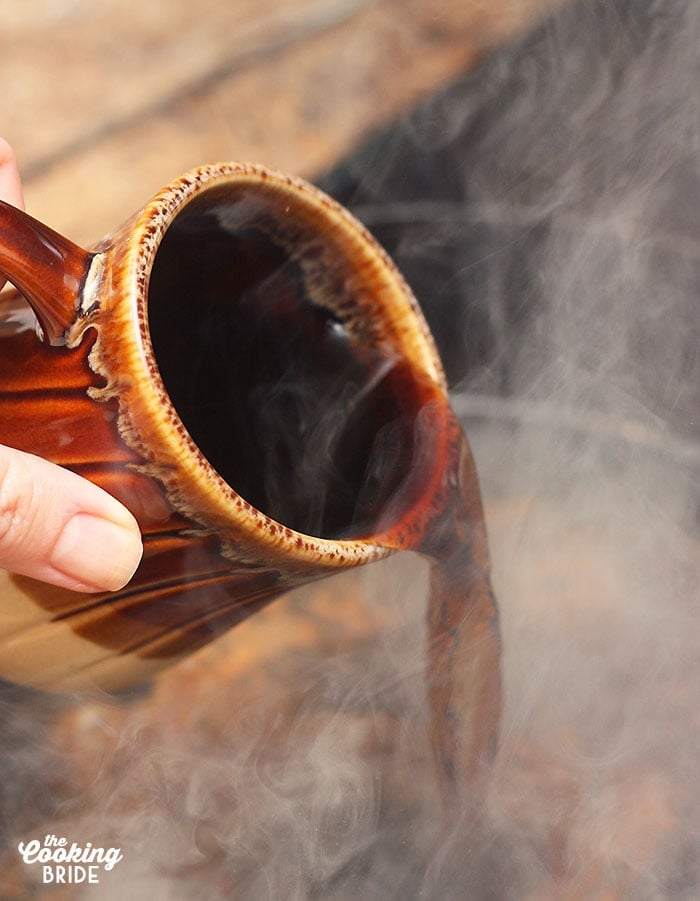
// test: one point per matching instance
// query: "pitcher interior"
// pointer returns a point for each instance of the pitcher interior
(276, 367)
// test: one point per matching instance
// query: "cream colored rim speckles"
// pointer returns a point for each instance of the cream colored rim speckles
(148, 420)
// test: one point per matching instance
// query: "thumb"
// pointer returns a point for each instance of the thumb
(60, 528)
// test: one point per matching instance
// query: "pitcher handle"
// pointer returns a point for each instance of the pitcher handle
(48, 269)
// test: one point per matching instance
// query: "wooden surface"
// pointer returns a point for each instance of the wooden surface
(107, 101)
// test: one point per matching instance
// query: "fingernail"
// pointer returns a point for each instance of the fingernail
(97, 552)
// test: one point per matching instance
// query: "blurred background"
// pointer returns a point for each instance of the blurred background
(533, 168)
(107, 101)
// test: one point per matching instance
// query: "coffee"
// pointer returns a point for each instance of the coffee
(327, 432)
(308, 422)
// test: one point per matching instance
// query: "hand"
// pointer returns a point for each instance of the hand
(54, 525)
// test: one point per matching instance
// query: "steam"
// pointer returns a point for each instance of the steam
(557, 253)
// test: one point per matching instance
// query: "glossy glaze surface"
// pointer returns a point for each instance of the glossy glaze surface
(44, 265)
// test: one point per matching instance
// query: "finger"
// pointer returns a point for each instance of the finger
(62, 529)
(10, 183)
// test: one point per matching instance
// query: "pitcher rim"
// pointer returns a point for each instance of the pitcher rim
(207, 497)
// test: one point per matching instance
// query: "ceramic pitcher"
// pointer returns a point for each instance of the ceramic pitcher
(245, 369)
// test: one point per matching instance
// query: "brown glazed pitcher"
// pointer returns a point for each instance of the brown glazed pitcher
(244, 368)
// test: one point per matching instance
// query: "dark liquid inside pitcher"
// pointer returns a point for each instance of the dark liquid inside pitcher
(307, 422)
